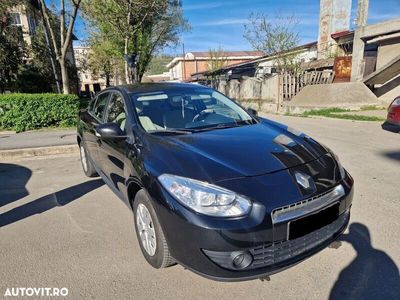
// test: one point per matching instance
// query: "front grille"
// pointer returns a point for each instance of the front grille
(307, 206)
(278, 252)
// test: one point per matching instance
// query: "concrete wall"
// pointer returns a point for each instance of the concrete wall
(176, 72)
(349, 95)
(250, 88)
(270, 89)
(387, 51)
(221, 87)
(233, 89)
(390, 90)
(363, 33)
(260, 94)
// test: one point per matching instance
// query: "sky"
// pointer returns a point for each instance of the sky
(217, 23)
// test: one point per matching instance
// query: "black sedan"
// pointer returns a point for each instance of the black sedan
(212, 186)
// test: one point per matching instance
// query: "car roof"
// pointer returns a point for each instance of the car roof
(160, 86)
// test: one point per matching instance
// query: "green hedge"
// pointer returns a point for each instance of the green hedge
(22, 112)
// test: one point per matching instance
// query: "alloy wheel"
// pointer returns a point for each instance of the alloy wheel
(145, 225)
(84, 159)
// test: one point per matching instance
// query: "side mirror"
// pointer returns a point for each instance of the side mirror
(252, 111)
(110, 131)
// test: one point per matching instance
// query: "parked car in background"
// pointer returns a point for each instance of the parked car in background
(392, 122)
(214, 187)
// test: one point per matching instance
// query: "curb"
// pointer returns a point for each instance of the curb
(40, 151)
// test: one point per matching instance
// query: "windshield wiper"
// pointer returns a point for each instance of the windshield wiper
(217, 126)
(171, 131)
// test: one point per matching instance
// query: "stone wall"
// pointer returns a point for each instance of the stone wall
(249, 88)
(260, 94)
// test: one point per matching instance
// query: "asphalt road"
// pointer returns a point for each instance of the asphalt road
(60, 229)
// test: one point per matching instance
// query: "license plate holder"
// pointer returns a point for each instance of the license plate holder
(310, 223)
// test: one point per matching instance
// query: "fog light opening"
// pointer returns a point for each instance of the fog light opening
(241, 260)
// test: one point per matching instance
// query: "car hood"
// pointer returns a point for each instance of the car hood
(222, 154)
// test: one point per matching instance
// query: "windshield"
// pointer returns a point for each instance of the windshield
(188, 110)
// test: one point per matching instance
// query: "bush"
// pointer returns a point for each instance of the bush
(22, 112)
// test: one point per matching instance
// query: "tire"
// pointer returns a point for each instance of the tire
(86, 162)
(156, 252)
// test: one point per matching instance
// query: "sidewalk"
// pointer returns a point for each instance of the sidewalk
(37, 143)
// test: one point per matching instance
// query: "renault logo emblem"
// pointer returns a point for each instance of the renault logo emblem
(304, 180)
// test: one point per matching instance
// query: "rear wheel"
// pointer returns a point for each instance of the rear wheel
(149, 233)
(86, 162)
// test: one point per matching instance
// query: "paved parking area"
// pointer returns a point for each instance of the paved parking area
(60, 229)
(37, 138)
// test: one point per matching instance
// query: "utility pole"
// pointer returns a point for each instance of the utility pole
(51, 53)
(358, 63)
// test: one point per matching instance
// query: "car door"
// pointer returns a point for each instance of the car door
(93, 119)
(113, 152)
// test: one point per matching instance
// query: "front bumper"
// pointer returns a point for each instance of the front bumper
(202, 243)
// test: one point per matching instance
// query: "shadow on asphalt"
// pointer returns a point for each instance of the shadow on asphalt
(371, 275)
(13, 180)
(45, 203)
(395, 155)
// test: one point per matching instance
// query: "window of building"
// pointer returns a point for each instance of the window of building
(32, 24)
(15, 19)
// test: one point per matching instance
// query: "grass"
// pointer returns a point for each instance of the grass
(336, 113)
(324, 112)
(372, 107)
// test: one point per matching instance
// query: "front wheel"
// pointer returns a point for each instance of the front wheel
(149, 233)
(86, 162)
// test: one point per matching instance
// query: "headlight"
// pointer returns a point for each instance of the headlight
(205, 198)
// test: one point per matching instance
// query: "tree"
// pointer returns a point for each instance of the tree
(158, 64)
(277, 36)
(12, 46)
(140, 27)
(61, 45)
(103, 60)
(217, 60)
(37, 74)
